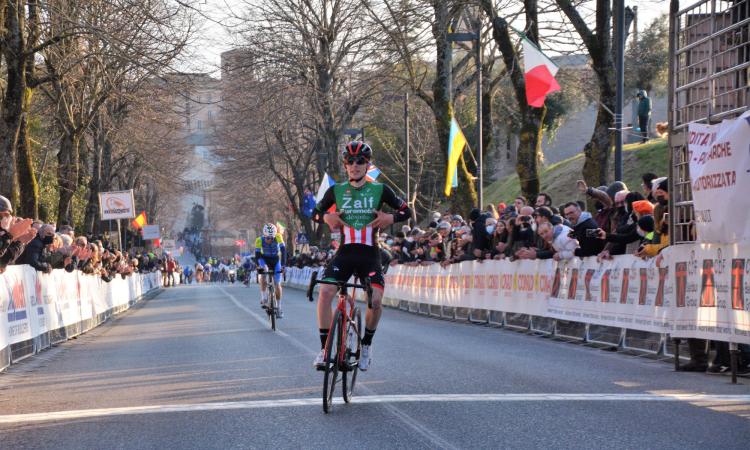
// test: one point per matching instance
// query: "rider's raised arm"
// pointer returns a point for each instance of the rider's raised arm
(401, 210)
(328, 200)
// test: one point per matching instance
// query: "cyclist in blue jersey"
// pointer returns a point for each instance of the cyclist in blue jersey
(270, 254)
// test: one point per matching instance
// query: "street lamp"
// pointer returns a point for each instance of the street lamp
(405, 98)
(354, 132)
(475, 38)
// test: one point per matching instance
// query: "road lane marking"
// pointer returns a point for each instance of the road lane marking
(12, 419)
(256, 316)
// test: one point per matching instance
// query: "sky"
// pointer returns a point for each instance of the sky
(213, 39)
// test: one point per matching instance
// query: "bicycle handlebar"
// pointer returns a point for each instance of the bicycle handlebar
(365, 286)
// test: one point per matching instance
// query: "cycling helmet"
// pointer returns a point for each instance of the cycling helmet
(269, 230)
(357, 148)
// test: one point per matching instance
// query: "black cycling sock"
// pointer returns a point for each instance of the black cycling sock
(367, 339)
(323, 337)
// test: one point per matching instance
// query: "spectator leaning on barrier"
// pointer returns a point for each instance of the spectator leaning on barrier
(523, 237)
(558, 237)
(479, 236)
(499, 242)
(585, 230)
(661, 219)
(15, 233)
(35, 254)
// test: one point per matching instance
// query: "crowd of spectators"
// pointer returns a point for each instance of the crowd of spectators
(44, 247)
(622, 222)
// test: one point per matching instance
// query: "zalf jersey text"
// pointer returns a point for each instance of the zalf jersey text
(358, 206)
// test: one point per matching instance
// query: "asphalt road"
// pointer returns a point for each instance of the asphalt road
(198, 367)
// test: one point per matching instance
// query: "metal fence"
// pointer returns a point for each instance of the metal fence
(709, 73)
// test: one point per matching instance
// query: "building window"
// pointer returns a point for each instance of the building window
(199, 124)
(210, 115)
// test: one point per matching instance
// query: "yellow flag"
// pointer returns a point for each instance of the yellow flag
(456, 144)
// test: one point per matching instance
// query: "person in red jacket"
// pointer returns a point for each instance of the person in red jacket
(171, 267)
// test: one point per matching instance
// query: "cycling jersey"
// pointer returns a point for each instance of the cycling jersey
(358, 206)
(273, 249)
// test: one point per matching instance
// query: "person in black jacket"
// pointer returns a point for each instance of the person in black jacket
(585, 230)
(33, 254)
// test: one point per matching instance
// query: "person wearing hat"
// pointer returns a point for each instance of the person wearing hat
(644, 113)
(15, 233)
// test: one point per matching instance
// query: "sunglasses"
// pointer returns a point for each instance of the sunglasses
(355, 160)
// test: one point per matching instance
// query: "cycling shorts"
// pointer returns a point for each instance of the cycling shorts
(264, 262)
(356, 259)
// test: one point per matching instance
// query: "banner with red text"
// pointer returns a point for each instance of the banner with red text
(720, 176)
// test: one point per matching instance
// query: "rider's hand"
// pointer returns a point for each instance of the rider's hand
(582, 187)
(333, 220)
(382, 220)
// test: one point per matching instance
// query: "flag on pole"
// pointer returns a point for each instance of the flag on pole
(456, 144)
(324, 185)
(139, 221)
(539, 74)
(280, 227)
(372, 173)
(327, 183)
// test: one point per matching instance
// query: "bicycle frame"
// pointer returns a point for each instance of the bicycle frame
(345, 305)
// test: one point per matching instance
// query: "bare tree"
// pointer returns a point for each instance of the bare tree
(325, 46)
(124, 43)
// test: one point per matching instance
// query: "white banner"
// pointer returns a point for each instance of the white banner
(33, 303)
(720, 174)
(699, 291)
(151, 232)
(117, 205)
(16, 320)
(711, 291)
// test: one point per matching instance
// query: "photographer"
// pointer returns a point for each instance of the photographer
(585, 230)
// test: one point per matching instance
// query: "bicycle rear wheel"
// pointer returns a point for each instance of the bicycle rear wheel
(352, 355)
(331, 363)
(271, 308)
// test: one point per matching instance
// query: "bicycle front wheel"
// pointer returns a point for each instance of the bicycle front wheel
(353, 345)
(271, 309)
(333, 344)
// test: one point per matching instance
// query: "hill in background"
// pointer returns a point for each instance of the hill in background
(559, 179)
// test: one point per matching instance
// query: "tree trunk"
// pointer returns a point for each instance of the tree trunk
(597, 151)
(67, 177)
(465, 196)
(91, 222)
(29, 188)
(12, 105)
(529, 150)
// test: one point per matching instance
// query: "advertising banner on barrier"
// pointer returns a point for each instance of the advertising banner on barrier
(711, 285)
(67, 297)
(16, 319)
(38, 310)
(625, 292)
(720, 173)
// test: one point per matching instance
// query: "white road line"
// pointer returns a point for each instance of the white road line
(256, 316)
(11, 419)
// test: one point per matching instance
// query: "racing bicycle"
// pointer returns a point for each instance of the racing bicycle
(272, 307)
(344, 343)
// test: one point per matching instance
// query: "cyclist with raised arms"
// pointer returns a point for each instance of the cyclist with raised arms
(359, 218)
(270, 254)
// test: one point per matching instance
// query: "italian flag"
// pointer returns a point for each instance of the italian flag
(539, 74)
